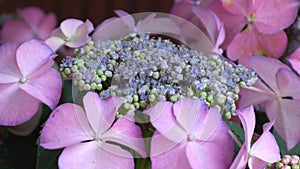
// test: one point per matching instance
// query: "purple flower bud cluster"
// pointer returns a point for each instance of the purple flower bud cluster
(146, 70)
(286, 162)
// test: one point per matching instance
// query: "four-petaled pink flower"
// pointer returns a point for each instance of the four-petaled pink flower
(73, 33)
(33, 24)
(258, 26)
(122, 26)
(189, 135)
(264, 150)
(90, 137)
(26, 79)
(279, 92)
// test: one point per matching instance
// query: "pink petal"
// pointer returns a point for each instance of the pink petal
(240, 161)
(259, 65)
(126, 133)
(79, 38)
(294, 60)
(247, 117)
(160, 144)
(162, 118)
(39, 82)
(29, 126)
(90, 155)
(55, 42)
(16, 106)
(187, 111)
(126, 18)
(274, 16)
(31, 55)
(205, 155)
(257, 44)
(238, 7)
(257, 94)
(145, 21)
(254, 163)
(101, 112)
(210, 121)
(159, 25)
(9, 72)
(233, 23)
(172, 159)
(208, 22)
(288, 83)
(111, 29)
(89, 25)
(16, 31)
(8, 64)
(287, 116)
(69, 26)
(67, 125)
(266, 147)
(221, 137)
(47, 26)
(6, 78)
(33, 16)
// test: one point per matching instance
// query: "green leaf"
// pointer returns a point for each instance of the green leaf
(282, 146)
(47, 159)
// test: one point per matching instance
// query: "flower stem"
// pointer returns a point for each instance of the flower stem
(235, 139)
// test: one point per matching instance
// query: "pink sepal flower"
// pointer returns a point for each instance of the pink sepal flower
(189, 131)
(254, 22)
(87, 136)
(72, 33)
(26, 79)
(33, 24)
(264, 150)
(270, 45)
(279, 92)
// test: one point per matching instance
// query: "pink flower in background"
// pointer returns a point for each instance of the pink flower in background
(198, 13)
(264, 150)
(119, 27)
(257, 22)
(33, 24)
(73, 33)
(279, 92)
(251, 42)
(88, 136)
(189, 135)
(294, 60)
(26, 79)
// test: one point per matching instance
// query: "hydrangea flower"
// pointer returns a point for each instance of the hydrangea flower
(279, 91)
(294, 60)
(189, 135)
(125, 24)
(198, 13)
(26, 79)
(264, 150)
(260, 24)
(33, 24)
(89, 137)
(72, 33)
